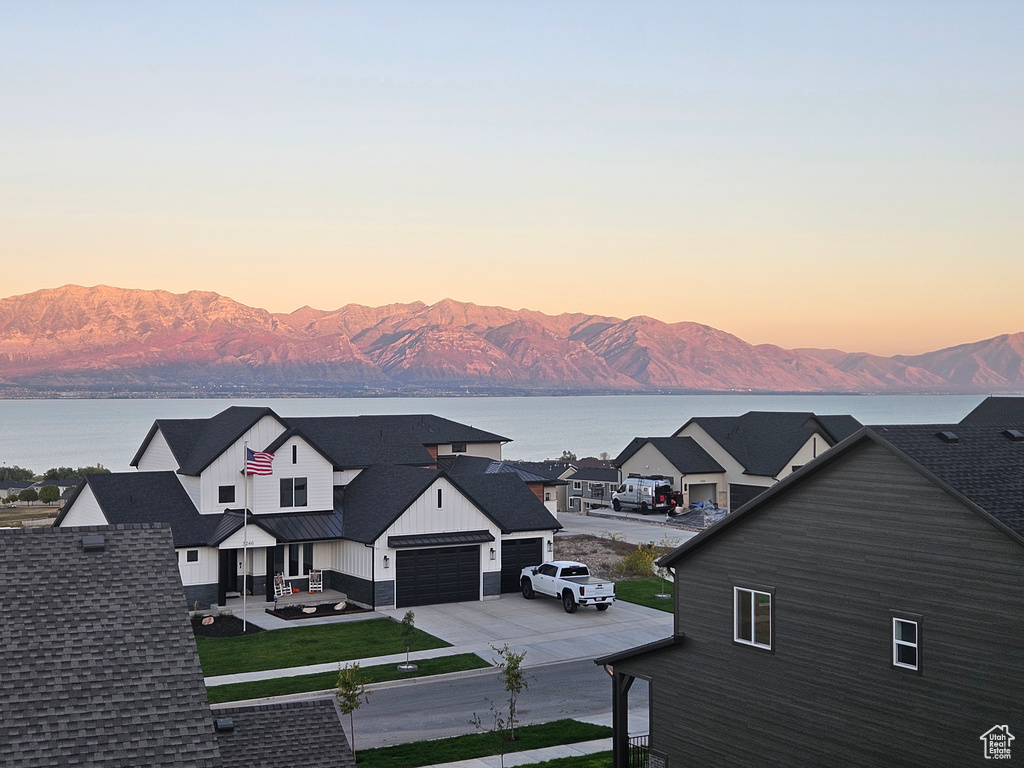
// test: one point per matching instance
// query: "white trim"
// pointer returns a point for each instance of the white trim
(896, 643)
(753, 617)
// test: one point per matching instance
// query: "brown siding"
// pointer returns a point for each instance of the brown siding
(842, 550)
(538, 489)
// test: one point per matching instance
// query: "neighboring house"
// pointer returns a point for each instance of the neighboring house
(760, 448)
(864, 611)
(997, 411)
(543, 486)
(100, 665)
(590, 487)
(682, 460)
(358, 498)
(554, 471)
(14, 487)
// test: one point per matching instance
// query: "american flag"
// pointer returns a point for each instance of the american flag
(258, 462)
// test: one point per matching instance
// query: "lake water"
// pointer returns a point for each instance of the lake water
(39, 434)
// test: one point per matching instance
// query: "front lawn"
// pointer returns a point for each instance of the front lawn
(643, 591)
(485, 744)
(299, 646)
(325, 681)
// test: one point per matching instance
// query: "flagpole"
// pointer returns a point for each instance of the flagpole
(245, 530)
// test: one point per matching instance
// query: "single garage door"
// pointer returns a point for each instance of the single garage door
(441, 575)
(741, 494)
(517, 554)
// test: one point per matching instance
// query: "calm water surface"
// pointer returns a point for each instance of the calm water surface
(39, 434)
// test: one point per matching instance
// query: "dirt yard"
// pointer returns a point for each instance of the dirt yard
(601, 555)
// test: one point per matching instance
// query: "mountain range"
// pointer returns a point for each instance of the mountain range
(104, 339)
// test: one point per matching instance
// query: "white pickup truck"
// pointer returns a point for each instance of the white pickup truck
(568, 581)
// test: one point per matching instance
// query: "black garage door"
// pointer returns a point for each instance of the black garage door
(442, 575)
(741, 494)
(517, 554)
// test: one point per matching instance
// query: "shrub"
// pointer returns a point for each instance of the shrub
(639, 562)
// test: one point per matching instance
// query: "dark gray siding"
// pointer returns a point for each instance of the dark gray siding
(844, 549)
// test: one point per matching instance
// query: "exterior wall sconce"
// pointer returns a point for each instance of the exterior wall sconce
(387, 561)
(550, 546)
(494, 555)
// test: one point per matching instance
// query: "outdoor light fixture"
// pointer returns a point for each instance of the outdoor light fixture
(494, 555)
(387, 561)
(550, 546)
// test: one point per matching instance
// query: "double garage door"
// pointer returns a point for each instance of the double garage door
(437, 575)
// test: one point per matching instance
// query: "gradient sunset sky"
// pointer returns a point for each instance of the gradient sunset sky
(819, 174)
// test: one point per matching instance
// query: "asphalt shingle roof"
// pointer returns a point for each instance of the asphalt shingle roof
(684, 453)
(998, 411)
(983, 465)
(505, 499)
(378, 496)
(306, 733)
(148, 497)
(764, 442)
(85, 679)
(460, 465)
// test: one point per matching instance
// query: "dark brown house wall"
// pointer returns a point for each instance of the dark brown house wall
(862, 538)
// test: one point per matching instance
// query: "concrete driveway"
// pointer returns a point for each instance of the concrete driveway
(540, 627)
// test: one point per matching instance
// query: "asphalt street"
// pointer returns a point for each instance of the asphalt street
(433, 709)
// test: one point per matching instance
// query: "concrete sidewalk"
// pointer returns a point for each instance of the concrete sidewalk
(532, 755)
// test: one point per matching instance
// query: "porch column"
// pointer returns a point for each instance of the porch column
(621, 683)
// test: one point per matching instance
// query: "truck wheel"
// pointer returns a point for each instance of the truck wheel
(568, 603)
(644, 509)
(603, 607)
(527, 589)
(616, 505)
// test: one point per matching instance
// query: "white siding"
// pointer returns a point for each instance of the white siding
(488, 450)
(85, 511)
(203, 571)
(226, 469)
(349, 557)
(257, 538)
(346, 476)
(158, 456)
(319, 474)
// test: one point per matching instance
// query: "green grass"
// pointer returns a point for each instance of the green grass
(299, 646)
(596, 760)
(324, 681)
(643, 591)
(484, 744)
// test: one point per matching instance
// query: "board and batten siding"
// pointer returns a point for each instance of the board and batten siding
(855, 542)
(85, 511)
(205, 570)
(158, 456)
(348, 557)
(317, 470)
(487, 450)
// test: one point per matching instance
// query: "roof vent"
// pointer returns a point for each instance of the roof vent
(1013, 434)
(224, 725)
(94, 543)
(947, 436)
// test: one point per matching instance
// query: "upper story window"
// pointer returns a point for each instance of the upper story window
(577, 485)
(458, 447)
(753, 617)
(906, 643)
(226, 494)
(295, 454)
(440, 498)
(293, 492)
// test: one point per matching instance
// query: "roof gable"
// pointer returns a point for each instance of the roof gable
(997, 411)
(505, 499)
(378, 496)
(684, 453)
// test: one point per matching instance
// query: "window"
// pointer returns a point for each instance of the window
(226, 494)
(753, 613)
(547, 570)
(439, 498)
(577, 485)
(597, 490)
(295, 454)
(191, 555)
(293, 492)
(458, 447)
(297, 557)
(906, 643)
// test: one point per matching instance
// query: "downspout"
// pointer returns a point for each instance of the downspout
(373, 576)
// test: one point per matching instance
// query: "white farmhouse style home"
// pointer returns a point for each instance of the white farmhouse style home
(359, 499)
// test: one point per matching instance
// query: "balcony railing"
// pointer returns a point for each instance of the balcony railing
(637, 753)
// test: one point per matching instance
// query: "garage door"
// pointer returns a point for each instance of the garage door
(441, 575)
(517, 554)
(741, 494)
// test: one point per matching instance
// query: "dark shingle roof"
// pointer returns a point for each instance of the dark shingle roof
(598, 474)
(460, 465)
(306, 733)
(983, 464)
(683, 452)
(997, 411)
(359, 441)
(378, 496)
(147, 497)
(505, 499)
(195, 443)
(764, 442)
(86, 680)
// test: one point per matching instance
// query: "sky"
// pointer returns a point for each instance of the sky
(841, 175)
